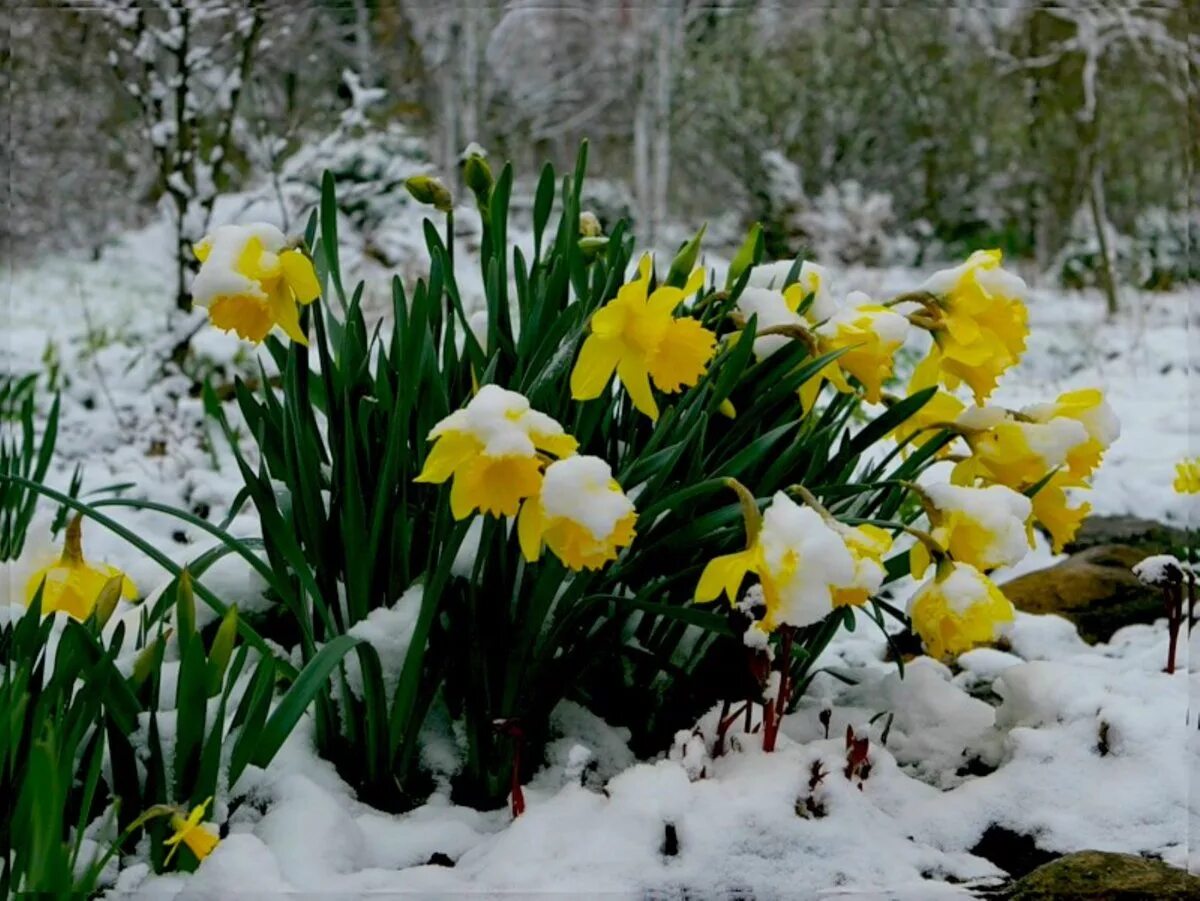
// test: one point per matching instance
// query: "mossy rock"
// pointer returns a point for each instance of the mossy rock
(1105, 876)
(1146, 535)
(1095, 589)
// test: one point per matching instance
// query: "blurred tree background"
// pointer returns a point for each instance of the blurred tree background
(855, 130)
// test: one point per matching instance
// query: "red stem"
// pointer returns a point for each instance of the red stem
(773, 710)
(518, 796)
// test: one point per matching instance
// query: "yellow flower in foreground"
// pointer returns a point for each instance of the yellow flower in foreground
(1088, 408)
(870, 335)
(71, 583)
(985, 527)
(637, 336)
(490, 449)
(940, 410)
(251, 281)
(867, 545)
(1015, 453)
(1051, 507)
(981, 325)
(1187, 476)
(800, 561)
(200, 840)
(958, 609)
(580, 513)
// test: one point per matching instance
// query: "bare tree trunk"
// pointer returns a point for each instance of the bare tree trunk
(670, 31)
(362, 42)
(643, 123)
(1100, 219)
(470, 61)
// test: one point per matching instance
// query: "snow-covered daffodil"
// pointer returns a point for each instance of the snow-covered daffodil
(490, 448)
(1089, 408)
(250, 281)
(980, 323)
(198, 838)
(867, 545)
(942, 409)
(638, 336)
(985, 527)
(1052, 508)
(1187, 476)
(800, 560)
(581, 514)
(1014, 452)
(869, 335)
(957, 609)
(72, 585)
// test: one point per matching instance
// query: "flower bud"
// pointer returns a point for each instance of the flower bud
(685, 260)
(429, 190)
(589, 225)
(590, 246)
(477, 174)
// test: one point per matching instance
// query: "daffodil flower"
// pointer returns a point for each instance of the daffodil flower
(1187, 476)
(199, 839)
(638, 336)
(942, 409)
(581, 514)
(1013, 452)
(800, 561)
(1089, 408)
(490, 448)
(985, 527)
(1052, 508)
(981, 324)
(867, 545)
(957, 609)
(251, 281)
(72, 585)
(869, 335)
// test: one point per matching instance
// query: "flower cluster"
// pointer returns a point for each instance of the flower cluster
(496, 452)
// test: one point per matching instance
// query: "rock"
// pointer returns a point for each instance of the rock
(1102, 875)
(1095, 589)
(1144, 534)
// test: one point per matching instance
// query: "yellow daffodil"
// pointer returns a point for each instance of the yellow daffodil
(1013, 452)
(800, 560)
(251, 281)
(980, 324)
(867, 545)
(957, 609)
(199, 839)
(940, 410)
(637, 336)
(72, 585)
(490, 449)
(1088, 408)
(580, 513)
(1051, 508)
(870, 335)
(985, 527)
(1187, 476)
(773, 309)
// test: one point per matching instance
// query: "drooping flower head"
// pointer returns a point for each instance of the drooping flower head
(773, 308)
(581, 514)
(1089, 408)
(985, 527)
(870, 335)
(198, 838)
(490, 449)
(1052, 508)
(957, 609)
(867, 545)
(638, 336)
(1187, 476)
(73, 585)
(940, 410)
(1014, 452)
(251, 281)
(800, 561)
(981, 324)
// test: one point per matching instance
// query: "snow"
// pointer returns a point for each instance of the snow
(996, 513)
(502, 421)
(219, 274)
(580, 489)
(1160, 569)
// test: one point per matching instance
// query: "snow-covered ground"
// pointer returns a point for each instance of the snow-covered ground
(1076, 746)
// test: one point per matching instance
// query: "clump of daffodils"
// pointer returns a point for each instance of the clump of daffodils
(494, 451)
(957, 609)
(71, 584)
(581, 514)
(638, 336)
(251, 280)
